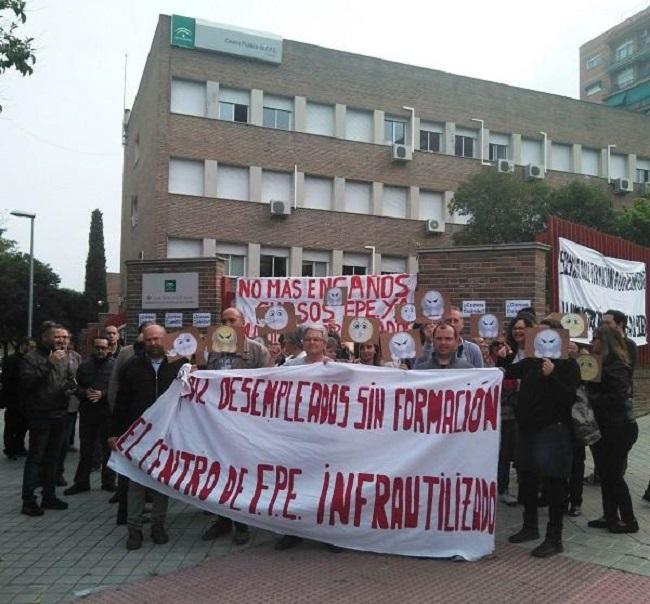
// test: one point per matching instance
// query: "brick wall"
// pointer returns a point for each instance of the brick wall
(210, 284)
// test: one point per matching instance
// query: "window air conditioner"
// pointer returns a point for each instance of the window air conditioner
(533, 172)
(279, 208)
(504, 165)
(401, 153)
(622, 185)
(434, 226)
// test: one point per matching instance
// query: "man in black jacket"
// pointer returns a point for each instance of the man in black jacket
(141, 381)
(93, 376)
(47, 380)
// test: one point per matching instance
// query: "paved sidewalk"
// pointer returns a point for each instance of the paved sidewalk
(63, 556)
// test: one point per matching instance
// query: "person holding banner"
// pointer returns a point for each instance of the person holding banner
(619, 431)
(142, 380)
(255, 356)
(543, 414)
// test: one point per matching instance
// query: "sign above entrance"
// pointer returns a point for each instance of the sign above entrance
(170, 290)
(187, 32)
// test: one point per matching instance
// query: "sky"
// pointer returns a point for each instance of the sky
(60, 129)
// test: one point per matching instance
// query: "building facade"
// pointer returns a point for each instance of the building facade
(615, 66)
(318, 162)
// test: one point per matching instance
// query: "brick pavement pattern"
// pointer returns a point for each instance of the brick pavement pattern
(79, 553)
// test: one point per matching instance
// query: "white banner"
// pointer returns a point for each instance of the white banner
(367, 458)
(592, 284)
(373, 296)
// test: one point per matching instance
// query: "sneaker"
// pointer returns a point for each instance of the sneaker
(31, 508)
(287, 542)
(53, 503)
(134, 540)
(241, 536)
(158, 534)
(574, 511)
(508, 499)
(221, 526)
(77, 488)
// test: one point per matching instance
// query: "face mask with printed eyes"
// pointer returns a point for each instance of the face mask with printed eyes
(548, 344)
(407, 313)
(276, 317)
(360, 330)
(588, 367)
(574, 323)
(185, 345)
(402, 346)
(432, 305)
(488, 326)
(224, 339)
(334, 296)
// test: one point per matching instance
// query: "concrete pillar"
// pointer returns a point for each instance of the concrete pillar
(375, 200)
(413, 203)
(546, 159)
(337, 262)
(209, 248)
(603, 168)
(339, 194)
(448, 138)
(339, 121)
(299, 184)
(515, 148)
(257, 107)
(412, 264)
(631, 167)
(416, 129)
(576, 158)
(485, 143)
(377, 263)
(255, 183)
(212, 100)
(210, 178)
(253, 259)
(295, 262)
(300, 114)
(378, 117)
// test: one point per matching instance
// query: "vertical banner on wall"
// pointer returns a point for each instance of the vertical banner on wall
(372, 296)
(592, 283)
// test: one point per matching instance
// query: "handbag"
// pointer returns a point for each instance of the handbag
(583, 419)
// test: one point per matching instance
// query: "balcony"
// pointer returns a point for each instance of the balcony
(639, 55)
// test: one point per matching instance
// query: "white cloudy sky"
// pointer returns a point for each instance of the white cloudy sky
(60, 130)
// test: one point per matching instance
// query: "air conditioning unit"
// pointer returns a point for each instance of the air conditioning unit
(622, 185)
(401, 153)
(533, 172)
(505, 165)
(279, 208)
(434, 226)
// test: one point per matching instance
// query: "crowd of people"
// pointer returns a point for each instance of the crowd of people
(46, 386)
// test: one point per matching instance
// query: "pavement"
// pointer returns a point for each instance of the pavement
(78, 555)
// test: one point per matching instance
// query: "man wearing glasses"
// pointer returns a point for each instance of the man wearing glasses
(93, 376)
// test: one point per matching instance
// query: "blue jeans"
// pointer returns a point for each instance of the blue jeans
(45, 442)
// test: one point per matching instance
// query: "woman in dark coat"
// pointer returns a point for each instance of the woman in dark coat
(546, 394)
(610, 400)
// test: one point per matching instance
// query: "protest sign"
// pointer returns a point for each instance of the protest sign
(379, 459)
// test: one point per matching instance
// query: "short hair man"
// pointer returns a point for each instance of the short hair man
(112, 334)
(46, 379)
(255, 356)
(445, 347)
(142, 380)
(93, 377)
(466, 349)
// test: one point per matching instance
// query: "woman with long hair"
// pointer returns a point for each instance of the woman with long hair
(610, 400)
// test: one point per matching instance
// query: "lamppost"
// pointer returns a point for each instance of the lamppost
(30, 307)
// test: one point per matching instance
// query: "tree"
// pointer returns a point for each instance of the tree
(15, 52)
(585, 204)
(95, 285)
(501, 209)
(634, 222)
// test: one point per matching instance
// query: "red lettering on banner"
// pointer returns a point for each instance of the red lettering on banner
(130, 432)
(142, 434)
(431, 482)
(162, 447)
(198, 387)
(171, 465)
(239, 488)
(229, 487)
(373, 403)
(320, 513)
(341, 498)
(187, 458)
(259, 486)
(382, 495)
(200, 466)
(360, 500)
(211, 480)
(397, 503)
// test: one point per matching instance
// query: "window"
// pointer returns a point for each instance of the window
(394, 132)
(430, 205)
(429, 141)
(232, 182)
(184, 248)
(188, 98)
(624, 51)
(643, 170)
(590, 161)
(358, 125)
(314, 268)
(357, 197)
(319, 119)
(394, 201)
(625, 78)
(618, 165)
(392, 264)
(351, 269)
(277, 118)
(185, 176)
(318, 193)
(561, 157)
(233, 112)
(273, 266)
(134, 211)
(531, 152)
(593, 61)
(235, 266)
(276, 186)
(593, 88)
(498, 152)
(464, 146)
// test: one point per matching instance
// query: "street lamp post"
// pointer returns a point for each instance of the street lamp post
(30, 303)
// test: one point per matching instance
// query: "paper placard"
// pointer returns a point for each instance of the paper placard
(173, 319)
(146, 317)
(514, 306)
(590, 367)
(225, 338)
(545, 342)
(183, 343)
(336, 296)
(489, 326)
(400, 345)
(201, 319)
(473, 307)
(360, 330)
(430, 304)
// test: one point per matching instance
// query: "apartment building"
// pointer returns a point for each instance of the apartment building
(287, 158)
(615, 66)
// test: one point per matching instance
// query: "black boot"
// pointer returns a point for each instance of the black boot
(551, 545)
(529, 531)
